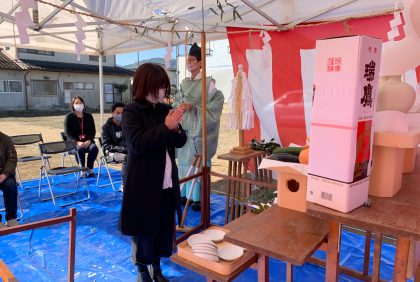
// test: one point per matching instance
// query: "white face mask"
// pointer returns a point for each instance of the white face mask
(117, 118)
(161, 95)
(78, 107)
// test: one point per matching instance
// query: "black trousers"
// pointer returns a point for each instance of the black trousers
(92, 152)
(10, 194)
(148, 249)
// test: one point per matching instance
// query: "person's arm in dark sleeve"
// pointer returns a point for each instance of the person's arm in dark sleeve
(140, 140)
(68, 128)
(11, 158)
(90, 131)
(107, 143)
(178, 137)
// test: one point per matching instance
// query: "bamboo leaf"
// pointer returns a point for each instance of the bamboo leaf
(144, 32)
(237, 14)
(221, 15)
(211, 9)
(177, 34)
(220, 7)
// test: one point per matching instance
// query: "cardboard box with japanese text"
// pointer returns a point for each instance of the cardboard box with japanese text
(346, 81)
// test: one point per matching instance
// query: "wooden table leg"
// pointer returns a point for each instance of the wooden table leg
(229, 188)
(262, 268)
(377, 257)
(289, 272)
(366, 259)
(210, 280)
(333, 253)
(233, 192)
(238, 191)
(243, 191)
(401, 259)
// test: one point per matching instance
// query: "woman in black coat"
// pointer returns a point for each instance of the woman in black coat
(79, 127)
(151, 186)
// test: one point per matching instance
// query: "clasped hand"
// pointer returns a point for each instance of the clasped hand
(84, 144)
(173, 118)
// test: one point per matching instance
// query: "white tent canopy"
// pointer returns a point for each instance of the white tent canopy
(116, 26)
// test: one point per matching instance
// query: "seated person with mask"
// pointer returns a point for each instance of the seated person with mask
(113, 142)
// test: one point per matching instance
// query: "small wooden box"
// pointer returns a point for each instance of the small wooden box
(223, 267)
(291, 183)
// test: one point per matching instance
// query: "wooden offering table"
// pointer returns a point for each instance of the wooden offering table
(398, 216)
(238, 167)
(280, 233)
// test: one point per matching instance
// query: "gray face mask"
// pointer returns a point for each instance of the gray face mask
(117, 118)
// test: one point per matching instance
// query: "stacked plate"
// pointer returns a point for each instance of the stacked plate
(203, 247)
(215, 235)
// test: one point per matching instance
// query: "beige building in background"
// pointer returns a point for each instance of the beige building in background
(36, 79)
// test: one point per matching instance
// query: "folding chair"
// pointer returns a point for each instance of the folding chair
(52, 148)
(26, 140)
(104, 162)
(68, 155)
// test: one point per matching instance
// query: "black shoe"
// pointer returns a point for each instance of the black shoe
(196, 206)
(144, 277)
(91, 175)
(183, 200)
(157, 273)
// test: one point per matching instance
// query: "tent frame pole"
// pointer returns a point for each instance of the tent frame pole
(205, 207)
(101, 82)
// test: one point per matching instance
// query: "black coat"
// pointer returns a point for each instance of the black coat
(72, 127)
(148, 138)
(109, 139)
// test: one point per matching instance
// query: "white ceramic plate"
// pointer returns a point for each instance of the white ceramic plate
(230, 252)
(207, 257)
(205, 251)
(204, 245)
(196, 238)
(215, 235)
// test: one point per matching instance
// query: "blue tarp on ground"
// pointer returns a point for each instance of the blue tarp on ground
(103, 254)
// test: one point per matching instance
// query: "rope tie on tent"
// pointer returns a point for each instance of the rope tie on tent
(347, 27)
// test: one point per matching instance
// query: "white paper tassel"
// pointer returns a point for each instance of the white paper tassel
(240, 116)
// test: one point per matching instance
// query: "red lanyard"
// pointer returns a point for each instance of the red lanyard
(81, 123)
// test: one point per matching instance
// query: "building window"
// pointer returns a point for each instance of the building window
(78, 86)
(68, 85)
(44, 87)
(111, 94)
(11, 86)
(96, 59)
(36, 52)
(89, 86)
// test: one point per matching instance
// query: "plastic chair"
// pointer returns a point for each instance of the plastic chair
(104, 162)
(26, 140)
(55, 148)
